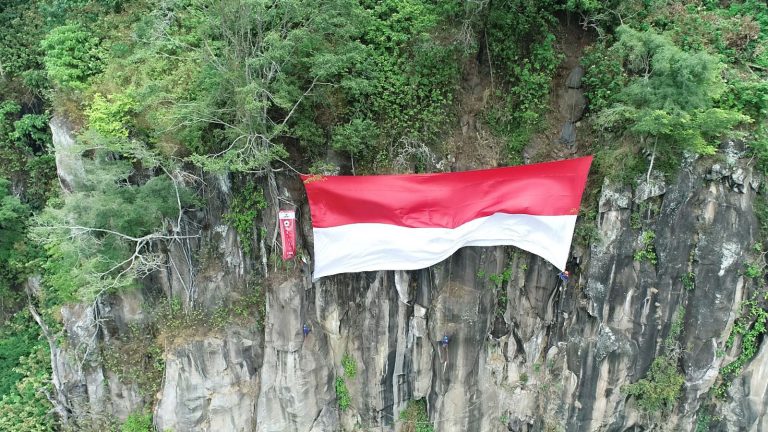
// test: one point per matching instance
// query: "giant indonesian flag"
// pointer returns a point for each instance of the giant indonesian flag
(407, 222)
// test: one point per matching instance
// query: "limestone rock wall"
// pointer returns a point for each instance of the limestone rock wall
(529, 354)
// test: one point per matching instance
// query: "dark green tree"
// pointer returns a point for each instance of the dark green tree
(670, 100)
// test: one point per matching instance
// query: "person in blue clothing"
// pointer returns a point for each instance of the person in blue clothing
(306, 330)
(564, 276)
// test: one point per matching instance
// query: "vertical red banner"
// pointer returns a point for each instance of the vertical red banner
(287, 219)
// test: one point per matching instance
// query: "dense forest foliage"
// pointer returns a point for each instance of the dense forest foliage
(163, 93)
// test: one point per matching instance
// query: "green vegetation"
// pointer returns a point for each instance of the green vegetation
(138, 358)
(71, 55)
(672, 78)
(13, 217)
(342, 394)
(502, 300)
(658, 392)
(760, 207)
(747, 331)
(18, 338)
(99, 240)
(670, 96)
(499, 279)
(25, 407)
(753, 270)
(246, 206)
(499, 285)
(164, 94)
(414, 417)
(689, 281)
(138, 422)
(349, 365)
(20, 55)
(173, 320)
(111, 116)
(24, 158)
(647, 250)
(705, 418)
(27, 173)
(586, 232)
(522, 50)
(343, 397)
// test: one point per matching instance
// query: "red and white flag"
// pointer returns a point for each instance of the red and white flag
(407, 222)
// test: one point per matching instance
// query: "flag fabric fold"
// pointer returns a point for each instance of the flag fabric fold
(408, 222)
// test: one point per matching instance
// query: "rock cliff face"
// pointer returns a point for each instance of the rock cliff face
(526, 352)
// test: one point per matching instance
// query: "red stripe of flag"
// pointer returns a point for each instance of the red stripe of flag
(447, 200)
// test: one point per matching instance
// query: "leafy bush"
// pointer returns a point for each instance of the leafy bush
(25, 408)
(18, 338)
(753, 271)
(750, 328)
(414, 417)
(110, 116)
(25, 144)
(689, 281)
(746, 96)
(647, 251)
(402, 80)
(604, 77)
(349, 365)
(355, 136)
(246, 206)
(658, 392)
(247, 110)
(342, 394)
(12, 153)
(138, 422)
(71, 56)
(20, 37)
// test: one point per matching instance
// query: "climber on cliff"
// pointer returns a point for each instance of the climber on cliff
(564, 275)
(306, 330)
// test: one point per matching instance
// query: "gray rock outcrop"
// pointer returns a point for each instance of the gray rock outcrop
(528, 354)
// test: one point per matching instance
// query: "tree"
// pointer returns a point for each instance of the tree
(101, 239)
(257, 62)
(671, 95)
